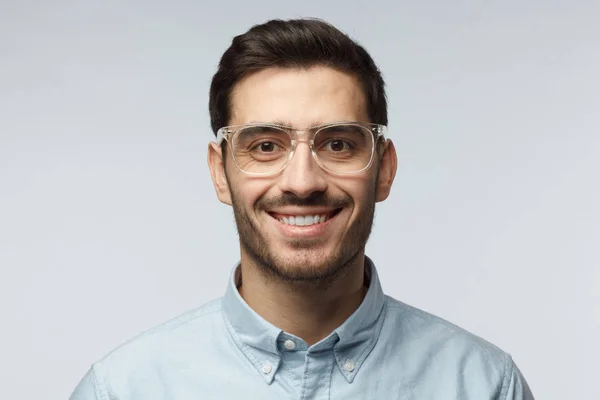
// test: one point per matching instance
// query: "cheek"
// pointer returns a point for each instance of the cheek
(360, 189)
(248, 191)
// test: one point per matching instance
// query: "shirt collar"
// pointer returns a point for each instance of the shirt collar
(260, 341)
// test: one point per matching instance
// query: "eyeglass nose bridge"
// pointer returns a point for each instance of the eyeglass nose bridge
(303, 136)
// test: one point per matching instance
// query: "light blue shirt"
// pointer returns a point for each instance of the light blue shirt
(384, 350)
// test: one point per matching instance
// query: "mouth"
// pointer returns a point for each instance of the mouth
(304, 219)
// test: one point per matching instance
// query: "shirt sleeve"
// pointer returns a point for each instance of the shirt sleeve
(87, 389)
(516, 387)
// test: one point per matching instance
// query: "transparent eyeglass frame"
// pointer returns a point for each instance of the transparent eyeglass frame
(303, 135)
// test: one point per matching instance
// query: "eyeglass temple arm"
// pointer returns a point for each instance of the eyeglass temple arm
(221, 134)
(381, 131)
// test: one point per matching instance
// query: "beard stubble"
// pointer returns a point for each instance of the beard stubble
(303, 266)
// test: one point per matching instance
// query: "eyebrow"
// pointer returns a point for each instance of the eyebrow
(288, 124)
(280, 122)
(257, 130)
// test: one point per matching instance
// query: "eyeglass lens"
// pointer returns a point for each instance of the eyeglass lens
(344, 148)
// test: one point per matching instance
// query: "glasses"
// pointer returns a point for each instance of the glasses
(266, 149)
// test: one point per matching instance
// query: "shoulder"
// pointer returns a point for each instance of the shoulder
(446, 358)
(188, 320)
(165, 341)
(160, 351)
(440, 341)
(419, 321)
(178, 325)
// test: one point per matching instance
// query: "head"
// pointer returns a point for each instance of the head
(301, 74)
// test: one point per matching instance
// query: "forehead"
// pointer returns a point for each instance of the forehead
(301, 97)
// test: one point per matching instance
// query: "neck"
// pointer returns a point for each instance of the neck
(309, 311)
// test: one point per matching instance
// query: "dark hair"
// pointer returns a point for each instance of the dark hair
(299, 43)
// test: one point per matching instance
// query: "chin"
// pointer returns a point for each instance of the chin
(306, 266)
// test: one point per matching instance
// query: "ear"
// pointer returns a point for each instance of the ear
(387, 171)
(217, 173)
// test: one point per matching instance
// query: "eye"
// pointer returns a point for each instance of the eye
(338, 145)
(266, 147)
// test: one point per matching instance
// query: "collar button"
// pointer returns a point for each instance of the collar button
(349, 366)
(289, 344)
(267, 368)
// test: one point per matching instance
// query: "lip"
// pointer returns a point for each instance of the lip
(294, 231)
(302, 211)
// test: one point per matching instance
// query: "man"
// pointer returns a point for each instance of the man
(300, 115)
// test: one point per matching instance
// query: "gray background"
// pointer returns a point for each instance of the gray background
(109, 223)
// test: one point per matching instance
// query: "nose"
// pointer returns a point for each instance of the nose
(303, 176)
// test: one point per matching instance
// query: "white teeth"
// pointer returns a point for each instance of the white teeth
(303, 220)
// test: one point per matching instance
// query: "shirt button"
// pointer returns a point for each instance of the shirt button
(267, 368)
(349, 366)
(289, 344)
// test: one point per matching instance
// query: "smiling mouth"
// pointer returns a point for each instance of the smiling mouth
(304, 219)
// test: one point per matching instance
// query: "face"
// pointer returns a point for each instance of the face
(262, 205)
